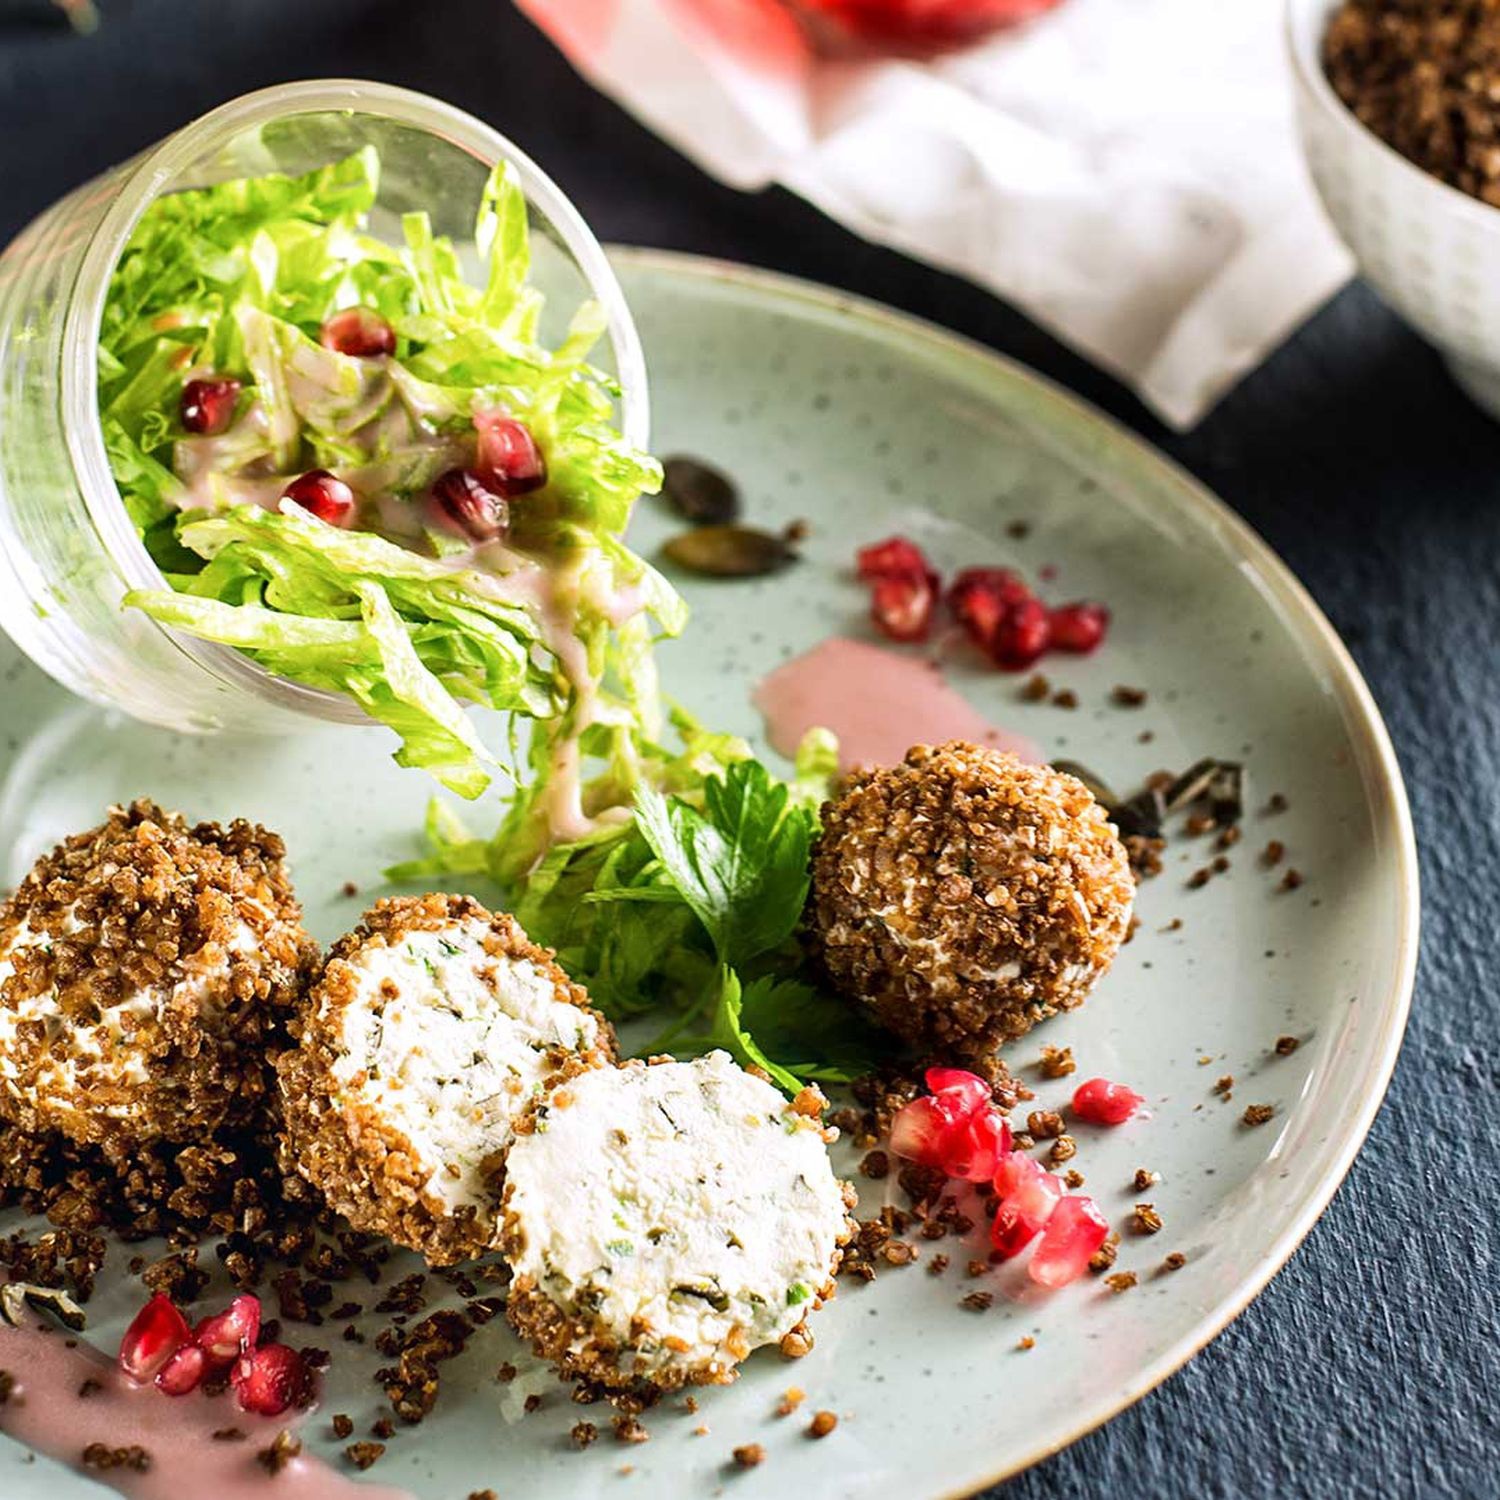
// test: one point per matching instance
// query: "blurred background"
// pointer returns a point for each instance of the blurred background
(1049, 212)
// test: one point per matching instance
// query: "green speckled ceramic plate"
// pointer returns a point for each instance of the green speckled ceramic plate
(864, 422)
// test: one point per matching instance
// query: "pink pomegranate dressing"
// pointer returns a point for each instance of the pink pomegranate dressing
(46, 1413)
(879, 703)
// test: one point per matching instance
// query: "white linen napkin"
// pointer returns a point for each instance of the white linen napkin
(1124, 171)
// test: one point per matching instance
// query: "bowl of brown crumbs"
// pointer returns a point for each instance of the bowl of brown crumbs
(1398, 104)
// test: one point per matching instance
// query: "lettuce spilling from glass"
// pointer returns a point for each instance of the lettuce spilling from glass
(366, 472)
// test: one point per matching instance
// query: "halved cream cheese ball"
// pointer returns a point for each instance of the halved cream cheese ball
(433, 1025)
(661, 1221)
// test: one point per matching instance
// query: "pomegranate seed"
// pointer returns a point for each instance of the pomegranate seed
(207, 406)
(1101, 1102)
(324, 495)
(1074, 1232)
(970, 1086)
(972, 1151)
(1079, 627)
(465, 500)
(893, 558)
(902, 603)
(358, 331)
(156, 1334)
(510, 462)
(1023, 633)
(981, 597)
(227, 1335)
(270, 1379)
(183, 1371)
(1028, 1195)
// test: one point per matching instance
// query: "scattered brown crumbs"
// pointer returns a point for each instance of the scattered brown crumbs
(937, 1265)
(749, 1455)
(349, 889)
(1018, 530)
(343, 1425)
(1065, 698)
(1144, 1219)
(791, 1399)
(797, 1343)
(822, 1424)
(583, 1434)
(362, 1455)
(1104, 1257)
(1022, 1140)
(1174, 1262)
(690, 1404)
(506, 1373)
(1045, 1123)
(1201, 823)
(1133, 927)
(630, 1429)
(701, 1430)
(1025, 1342)
(1144, 854)
(1286, 1045)
(90, 1387)
(1035, 688)
(1220, 864)
(978, 1301)
(1229, 837)
(1175, 925)
(899, 1253)
(383, 1428)
(483, 1495)
(102, 1457)
(876, 1165)
(1198, 879)
(532, 1403)
(1127, 697)
(1145, 737)
(1144, 1179)
(1224, 1085)
(283, 1449)
(1258, 1114)
(978, 1267)
(1204, 1061)
(1064, 1148)
(1277, 803)
(1057, 1062)
(229, 1435)
(1074, 1178)
(1273, 853)
(1120, 1281)
(1291, 880)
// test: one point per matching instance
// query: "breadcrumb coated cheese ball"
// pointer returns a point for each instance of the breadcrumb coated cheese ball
(663, 1221)
(964, 895)
(433, 1024)
(145, 969)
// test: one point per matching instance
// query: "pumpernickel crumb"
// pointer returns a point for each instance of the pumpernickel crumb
(1225, 1085)
(1123, 696)
(343, 1425)
(1286, 1045)
(282, 1450)
(630, 1429)
(822, 1424)
(584, 1434)
(1144, 1219)
(363, 1454)
(1292, 880)
(749, 1455)
(1258, 1114)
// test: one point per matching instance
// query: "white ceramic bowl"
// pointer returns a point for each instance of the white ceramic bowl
(1431, 251)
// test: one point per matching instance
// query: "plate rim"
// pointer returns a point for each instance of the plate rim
(1385, 787)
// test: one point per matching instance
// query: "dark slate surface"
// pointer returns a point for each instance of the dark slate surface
(1369, 1366)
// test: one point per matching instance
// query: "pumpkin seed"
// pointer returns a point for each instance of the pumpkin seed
(730, 551)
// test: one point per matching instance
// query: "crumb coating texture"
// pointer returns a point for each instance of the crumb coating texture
(964, 895)
(418, 1157)
(146, 970)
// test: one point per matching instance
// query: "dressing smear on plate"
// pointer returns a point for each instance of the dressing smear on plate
(877, 703)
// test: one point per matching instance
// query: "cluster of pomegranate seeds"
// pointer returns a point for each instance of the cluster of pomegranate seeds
(160, 1346)
(956, 1128)
(1101, 1102)
(510, 462)
(324, 495)
(463, 499)
(207, 405)
(995, 606)
(359, 332)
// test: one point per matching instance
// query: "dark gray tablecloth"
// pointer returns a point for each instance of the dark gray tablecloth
(1369, 1366)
